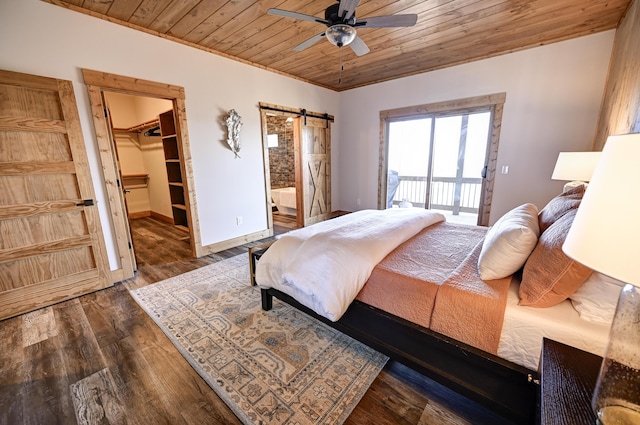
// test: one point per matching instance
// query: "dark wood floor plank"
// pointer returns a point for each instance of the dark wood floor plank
(96, 400)
(11, 372)
(110, 312)
(38, 325)
(183, 386)
(46, 397)
(82, 355)
(204, 413)
(442, 398)
(136, 385)
(388, 401)
(77, 347)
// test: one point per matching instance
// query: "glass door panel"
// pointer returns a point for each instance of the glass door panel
(443, 172)
(459, 156)
(408, 162)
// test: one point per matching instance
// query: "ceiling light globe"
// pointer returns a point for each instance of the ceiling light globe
(340, 34)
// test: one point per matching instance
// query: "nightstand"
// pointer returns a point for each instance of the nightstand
(568, 378)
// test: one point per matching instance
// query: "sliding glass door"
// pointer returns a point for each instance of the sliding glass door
(438, 161)
(408, 161)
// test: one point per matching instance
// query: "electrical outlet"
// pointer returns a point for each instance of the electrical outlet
(238, 220)
(358, 201)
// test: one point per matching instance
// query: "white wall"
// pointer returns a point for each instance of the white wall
(553, 99)
(43, 39)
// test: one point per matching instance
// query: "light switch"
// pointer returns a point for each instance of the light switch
(505, 169)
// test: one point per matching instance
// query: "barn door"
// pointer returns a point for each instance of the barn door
(315, 167)
(51, 247)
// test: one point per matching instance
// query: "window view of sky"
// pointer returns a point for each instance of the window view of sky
(409, 145)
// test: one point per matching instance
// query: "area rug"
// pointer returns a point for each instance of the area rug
(275, 367)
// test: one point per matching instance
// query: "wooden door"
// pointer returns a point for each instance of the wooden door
(315, 169)
(131, 257)
(52, 248)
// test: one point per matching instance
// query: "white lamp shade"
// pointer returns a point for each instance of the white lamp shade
(605, 234)
(575, 166)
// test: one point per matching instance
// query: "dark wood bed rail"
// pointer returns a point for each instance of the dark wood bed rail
(504, 387)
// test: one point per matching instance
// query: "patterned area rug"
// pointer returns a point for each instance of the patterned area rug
(275, 367)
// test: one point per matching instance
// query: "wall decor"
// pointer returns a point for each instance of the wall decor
(233, 121)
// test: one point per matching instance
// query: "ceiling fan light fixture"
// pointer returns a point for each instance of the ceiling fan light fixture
(340, 34)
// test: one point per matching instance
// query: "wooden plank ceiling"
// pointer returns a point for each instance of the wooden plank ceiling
(448, 32)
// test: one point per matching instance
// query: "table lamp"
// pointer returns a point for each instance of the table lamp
(605, 236)
(575, 166)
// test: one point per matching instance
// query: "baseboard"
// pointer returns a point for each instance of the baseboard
(161, 217)
(139, 214)
(232, 243)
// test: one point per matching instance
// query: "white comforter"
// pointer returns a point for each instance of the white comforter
(324, 266)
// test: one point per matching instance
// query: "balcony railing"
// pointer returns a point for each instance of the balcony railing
(447, 193)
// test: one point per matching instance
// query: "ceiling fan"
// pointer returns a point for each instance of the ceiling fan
(340, 19)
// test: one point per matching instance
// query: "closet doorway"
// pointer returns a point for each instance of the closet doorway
(148, 163)
(175, 150)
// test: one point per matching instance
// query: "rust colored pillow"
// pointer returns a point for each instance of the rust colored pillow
(559, 206)
(549, 276)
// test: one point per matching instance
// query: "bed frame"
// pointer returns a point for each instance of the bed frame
(504, 387)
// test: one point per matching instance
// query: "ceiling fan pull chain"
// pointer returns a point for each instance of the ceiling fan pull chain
(341, 68)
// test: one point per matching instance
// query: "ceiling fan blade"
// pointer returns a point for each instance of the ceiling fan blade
(295, 15)
(389, 21)
(308, 43)
(359, 47)
(348, 6)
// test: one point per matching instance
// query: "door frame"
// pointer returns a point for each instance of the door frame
(98, 82)
(298, 116)
(493, 102)
(266, 110)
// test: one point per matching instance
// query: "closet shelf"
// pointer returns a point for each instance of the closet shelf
(138, 128)
(135, 176)
(175, 173)
(135, 181)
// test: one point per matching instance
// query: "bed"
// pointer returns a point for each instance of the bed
(501, 373)
(285, 200)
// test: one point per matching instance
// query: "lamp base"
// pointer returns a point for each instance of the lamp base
(618, 415)
(616, 400)
(573, 184)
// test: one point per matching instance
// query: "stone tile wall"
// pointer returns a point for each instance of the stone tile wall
(281, 159)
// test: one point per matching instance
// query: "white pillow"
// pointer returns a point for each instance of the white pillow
(509, 243)
(596, 299)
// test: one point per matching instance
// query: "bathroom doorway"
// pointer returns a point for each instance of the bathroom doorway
(282, 170)
(297, 165)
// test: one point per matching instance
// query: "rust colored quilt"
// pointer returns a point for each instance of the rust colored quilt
(432, 280)
(470, 309)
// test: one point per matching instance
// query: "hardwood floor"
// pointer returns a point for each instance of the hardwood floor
(284, 221)
(100, 359)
